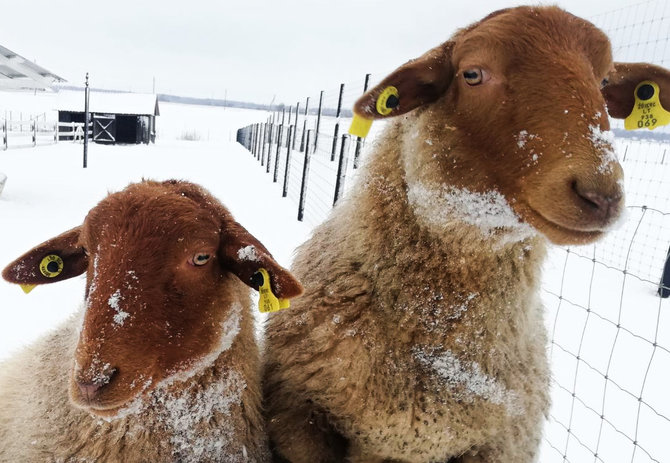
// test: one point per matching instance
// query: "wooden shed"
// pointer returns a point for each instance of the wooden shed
(127, 118)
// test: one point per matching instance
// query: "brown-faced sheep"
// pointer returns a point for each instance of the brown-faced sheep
(161, 364)
(420, 336)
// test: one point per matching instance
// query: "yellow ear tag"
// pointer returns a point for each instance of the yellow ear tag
(268, 302)
(27, 288)
(360, 126)
(647, 112)
(388, 100)
(51, 266)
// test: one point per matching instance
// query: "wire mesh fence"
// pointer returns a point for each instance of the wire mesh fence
(607, 304)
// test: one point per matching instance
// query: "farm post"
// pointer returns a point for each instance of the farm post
(279, 137)
(318, 122)
(341, 168)
(359, 140)
(304, 127)
(270, 134)
(664, 287)
(86, 97)
(303, 186)
(288, 162)
(295, 125)
(337, 124)
(264, 128)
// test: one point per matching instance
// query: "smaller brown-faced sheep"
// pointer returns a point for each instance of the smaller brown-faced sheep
(161, 364)
(420, 337)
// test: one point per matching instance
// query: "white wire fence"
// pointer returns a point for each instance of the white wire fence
(607, 305)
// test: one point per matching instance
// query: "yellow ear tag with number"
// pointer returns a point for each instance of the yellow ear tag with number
(647, 112)
(267, 301)
(51, 266)
(387, 101)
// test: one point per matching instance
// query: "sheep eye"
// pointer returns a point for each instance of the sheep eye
(200, 258)
(604, 82)
(473, 76)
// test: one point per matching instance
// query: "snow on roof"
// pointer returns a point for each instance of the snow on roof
(18, 73)
(107, 102)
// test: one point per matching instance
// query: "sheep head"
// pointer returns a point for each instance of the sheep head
(509, 119)
(162, 300)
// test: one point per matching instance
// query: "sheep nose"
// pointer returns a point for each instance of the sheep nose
(602, 206)
(91, 389)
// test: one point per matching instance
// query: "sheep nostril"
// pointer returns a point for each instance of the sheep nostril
(90, 389)
(602, 205)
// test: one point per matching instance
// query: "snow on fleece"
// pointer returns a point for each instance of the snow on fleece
(183, 412)
(247, 253)
(469, 377)
(489, 211)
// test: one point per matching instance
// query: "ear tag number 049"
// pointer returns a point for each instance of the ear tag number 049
(267, 301)
(647, 111)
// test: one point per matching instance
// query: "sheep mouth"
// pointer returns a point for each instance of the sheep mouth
(561, 233)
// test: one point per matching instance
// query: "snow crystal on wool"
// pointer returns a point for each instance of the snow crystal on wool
(113, 301)
(248, 253)
(183, 413)
(490, 211)
(469, 377)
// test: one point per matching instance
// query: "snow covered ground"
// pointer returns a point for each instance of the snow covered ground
(611, 333)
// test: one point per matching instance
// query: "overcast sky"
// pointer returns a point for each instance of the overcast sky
(248, 50)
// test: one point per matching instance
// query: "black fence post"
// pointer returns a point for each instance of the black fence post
(34, 131)
(270, 134)
(304, 128)
(303, 187)
(253, 140)
(295, 126)
(280, 133)
(290, 112)
(288, 162)
(257, 143)
(341, 168)
(337, 124)
(86, 116)
(264, 128)
(664, 287)
(359, 140)
(318, 123)
(4, 134)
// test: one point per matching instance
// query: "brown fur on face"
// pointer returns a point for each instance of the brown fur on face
(151, 312)
(535, 129)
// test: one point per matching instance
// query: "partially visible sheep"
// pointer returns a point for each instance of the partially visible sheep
(420, 336)
(161, 363)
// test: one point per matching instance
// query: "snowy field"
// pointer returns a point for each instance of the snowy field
(611, 332)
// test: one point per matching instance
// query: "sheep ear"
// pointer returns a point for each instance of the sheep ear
(619, 92)
(416, 83)
(54, 260)
(242, 254)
